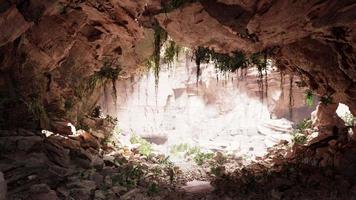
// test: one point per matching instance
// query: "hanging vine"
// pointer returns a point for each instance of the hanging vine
(171, 53)
(260, 61)
(201, 55)
(291, 103)
(266, 73)
(109, 72)
(160, 36)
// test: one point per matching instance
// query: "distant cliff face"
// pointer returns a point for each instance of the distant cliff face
(181, 105)
(50, 49)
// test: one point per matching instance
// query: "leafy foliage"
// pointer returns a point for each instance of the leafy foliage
(230, 62)
(299, 131)
(108, 72)
(179, 148)
(201, 157)
(145, 148)
(160, 36)
(171, 52)
(38, 111)
(225, 62)
(309, 98)
(193, 150)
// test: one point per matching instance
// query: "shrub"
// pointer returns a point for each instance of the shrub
(201, 157)
(299, 131)
(179, 148)
(145, 148)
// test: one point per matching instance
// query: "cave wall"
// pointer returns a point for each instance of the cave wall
(49, 48)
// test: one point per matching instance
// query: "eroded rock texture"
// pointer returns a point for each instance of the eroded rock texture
(49, 49)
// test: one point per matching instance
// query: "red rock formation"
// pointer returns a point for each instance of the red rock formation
(49, 48)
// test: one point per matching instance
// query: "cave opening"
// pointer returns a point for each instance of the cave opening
(183, 115)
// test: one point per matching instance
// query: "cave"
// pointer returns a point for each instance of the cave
(177, 99)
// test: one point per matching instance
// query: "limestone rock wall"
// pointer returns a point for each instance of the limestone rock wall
(216, 96)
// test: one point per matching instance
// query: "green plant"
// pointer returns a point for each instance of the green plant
(145, 148)
(108, 72)
(326, 100)
(160, 36)
(38, 111)
(165, 161)
(152, 189)
(193, 150)
(229, 63)
(201, 157)
(309, 98)
(304, 124)
(298, 133)
(217, 170)
(178, 148)
(299, 138)
(171, 51)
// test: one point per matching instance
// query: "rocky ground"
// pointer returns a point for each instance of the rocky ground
(44, 166)
(320, 164)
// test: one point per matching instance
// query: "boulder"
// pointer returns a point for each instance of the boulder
(12, 25)
(62, 127)
(88, 140)
(325, 117)
(316, 137)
